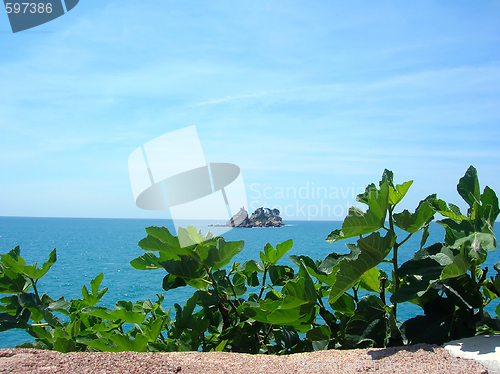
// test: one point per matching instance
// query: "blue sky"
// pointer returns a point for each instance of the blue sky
(299, 94)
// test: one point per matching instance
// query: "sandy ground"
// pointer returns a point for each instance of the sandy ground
(420, 358)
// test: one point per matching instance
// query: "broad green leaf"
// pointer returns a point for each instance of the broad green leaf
(460, 265)
(127, 315)
(148, 261)
(279, 274)
(251, 265)
(153, 329)
(163, 235)
(372, 250)
(456, 230)
(120, 343)
(398, 193)
(442, 208)
(271, 255)
(359, 223)
(296, 308)
(425, 236)
(323, 271)
(463, 290)
(344, 304)
(64, 345)
(96, 295)
(489, 198)
(60, 305)
(187, 269)
(12, 282)
(422, 271)
(159, 239)
(369, 325)
(441, 315)
(239, 284)
(216, 257)
(468, 187)
(171, 282)
(34, 273)
(369, 281)
(319, 333)
(412, 222)
(13, 261)
(191, 236)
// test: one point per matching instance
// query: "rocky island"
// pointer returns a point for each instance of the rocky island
(262, 217)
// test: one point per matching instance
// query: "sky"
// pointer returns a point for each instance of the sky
(304, 96)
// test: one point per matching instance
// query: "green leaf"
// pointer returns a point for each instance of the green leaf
(359, 223)
(468, 187)
(36, 273)
(148, 261)
(120, 343)
(187, 269)
(442, 322)
(127, 313)
(422, 271)
(413, 222)
(323, 271)
(64, 345)
(296, 308)
(12, 282)
(239, 284)
(271, 255)
(369, 326)
(397, 194)
(171, 282)
(463, 290)
(442, 208)
(460, 265)
(372, 250)
(279, 275)
(344, 304)
(425, 236)
(489, 198)
(369, 281)
(319, 333)
(93, 299)
(13, 261)
(159, 239)
(216, 257)
(153, 329)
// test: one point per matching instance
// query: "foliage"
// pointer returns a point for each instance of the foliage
(261, 306)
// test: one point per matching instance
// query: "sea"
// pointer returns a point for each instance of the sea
(87, 247)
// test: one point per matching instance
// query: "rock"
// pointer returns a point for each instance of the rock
(262, 217)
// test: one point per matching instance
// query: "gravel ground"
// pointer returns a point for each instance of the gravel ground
(420, 358)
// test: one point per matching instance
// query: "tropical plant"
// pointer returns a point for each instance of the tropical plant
(260, 306)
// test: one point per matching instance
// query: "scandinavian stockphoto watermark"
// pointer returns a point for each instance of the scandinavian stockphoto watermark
(390, 366)
(25, 15)
(308, 201)
(172, 170)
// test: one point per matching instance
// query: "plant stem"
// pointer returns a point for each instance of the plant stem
(263, 283)
(267, 334)
(33, 282)
(355, 291)
(395, 259)
(232, 288)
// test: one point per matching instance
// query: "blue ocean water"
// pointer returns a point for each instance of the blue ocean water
(89, 246)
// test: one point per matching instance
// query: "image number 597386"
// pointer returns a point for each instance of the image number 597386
(30, 7)
(26, 15)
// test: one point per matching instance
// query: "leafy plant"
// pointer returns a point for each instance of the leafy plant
(261, 306)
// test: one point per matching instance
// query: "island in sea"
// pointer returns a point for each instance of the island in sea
(262, 217)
